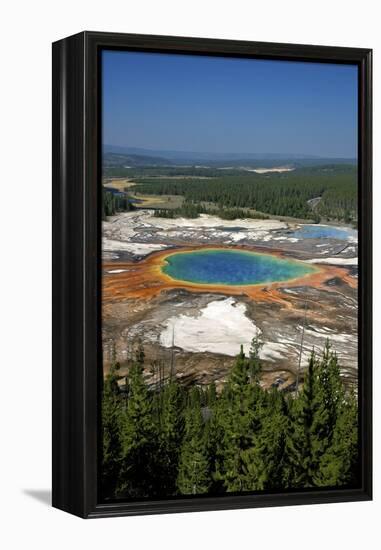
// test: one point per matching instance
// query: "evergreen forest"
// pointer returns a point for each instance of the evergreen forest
(313, 194)
(163, 439)
(113, 202)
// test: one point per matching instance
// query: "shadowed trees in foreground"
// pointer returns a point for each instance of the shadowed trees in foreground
(170, 440)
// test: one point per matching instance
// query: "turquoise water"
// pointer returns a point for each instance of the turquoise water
(232, 267)
(324, 232)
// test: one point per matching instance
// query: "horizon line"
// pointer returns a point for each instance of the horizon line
(181, 151)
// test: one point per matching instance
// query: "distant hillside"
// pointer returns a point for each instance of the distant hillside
(167, 157)
(126, 160)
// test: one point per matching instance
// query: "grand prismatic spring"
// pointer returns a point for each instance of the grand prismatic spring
(224, 270)
(232, 267)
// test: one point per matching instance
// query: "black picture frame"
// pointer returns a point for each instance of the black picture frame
(76, 269)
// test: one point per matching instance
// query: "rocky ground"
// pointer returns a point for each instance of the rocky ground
(198, 334)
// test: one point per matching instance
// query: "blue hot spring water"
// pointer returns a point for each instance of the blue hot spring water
(324, 232)
(232, 267)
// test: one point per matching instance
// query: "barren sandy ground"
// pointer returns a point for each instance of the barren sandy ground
(120, 184)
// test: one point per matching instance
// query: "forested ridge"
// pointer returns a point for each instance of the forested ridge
(164, 439)
(277, 194)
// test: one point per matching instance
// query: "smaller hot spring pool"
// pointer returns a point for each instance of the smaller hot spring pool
(325, 232)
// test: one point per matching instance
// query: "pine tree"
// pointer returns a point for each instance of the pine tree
(211, 396)
(329, 398)
(339, 464)
(255, 367)
(111, 411)
(299, 445)
(193, 477)
(213, 435)
(239, 418)
(265, 460)
(140, 354)
(338, 461)
(170, 429)
(239, 375)
(318, 415)
(139, 439)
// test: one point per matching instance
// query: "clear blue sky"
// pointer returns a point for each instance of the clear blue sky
(212, 104)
